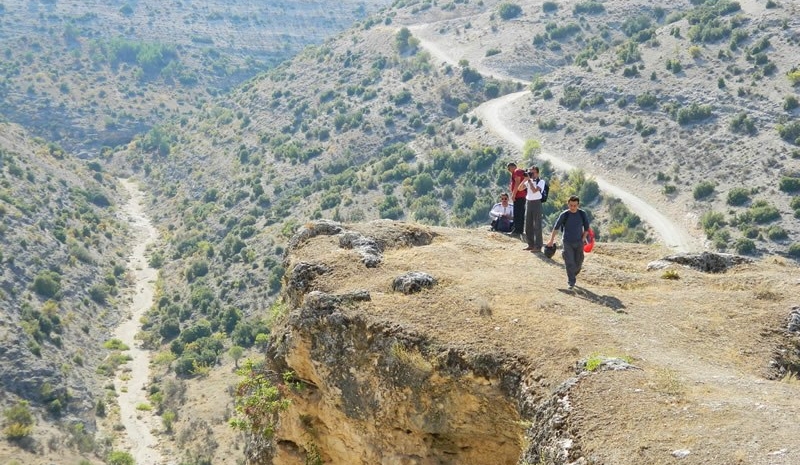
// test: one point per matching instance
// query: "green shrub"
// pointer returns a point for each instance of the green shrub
(794, 250)
(117, 457)
(47, 283)
(720, 239)
(761, 212)
(509, 10)
(777, 233)
(19, 421)
(790, 132)
(549, 7)
(738, 196)
(703, 190)
(745, 246)
(790, 103)
(588, 7)
(647, 101)
(693, 113)
(592, 142)
(99, 293)
(711, 222)
(794, 204)
(789, 184)
(743, 124)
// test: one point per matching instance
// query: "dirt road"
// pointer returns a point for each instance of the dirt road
(670, 233)
(132, 379)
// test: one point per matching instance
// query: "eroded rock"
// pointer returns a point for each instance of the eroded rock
(793, 324)
(370, 250)
(707, 262)
(413, 282)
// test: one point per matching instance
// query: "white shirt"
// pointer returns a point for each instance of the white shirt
(499, 211)
(531, 194)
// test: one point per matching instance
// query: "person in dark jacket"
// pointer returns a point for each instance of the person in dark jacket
(574, 224)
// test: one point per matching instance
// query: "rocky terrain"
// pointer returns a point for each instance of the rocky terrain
(651, 358)
(409, 115)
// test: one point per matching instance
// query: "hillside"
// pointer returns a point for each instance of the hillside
(62, 249)
(689, 109)
(91, 75)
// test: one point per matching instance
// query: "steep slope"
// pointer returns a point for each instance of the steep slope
(62, 255)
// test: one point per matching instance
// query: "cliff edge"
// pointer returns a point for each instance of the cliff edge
(425, 345)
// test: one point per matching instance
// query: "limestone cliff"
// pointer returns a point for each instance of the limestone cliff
(417, 345)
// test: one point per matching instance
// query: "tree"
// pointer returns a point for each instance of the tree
(531, 150)
(423, 184)
(236, 353)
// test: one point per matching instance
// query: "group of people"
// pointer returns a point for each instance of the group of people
(522, 218)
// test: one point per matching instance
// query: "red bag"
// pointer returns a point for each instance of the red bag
(589, 245)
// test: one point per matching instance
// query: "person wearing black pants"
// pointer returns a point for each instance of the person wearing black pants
(575, 226)
(533, 210)
(518, 193)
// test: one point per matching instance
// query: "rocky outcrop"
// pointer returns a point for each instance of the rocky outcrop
(377, 391)
(708, 262)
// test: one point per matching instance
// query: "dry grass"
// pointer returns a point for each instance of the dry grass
(702, 342)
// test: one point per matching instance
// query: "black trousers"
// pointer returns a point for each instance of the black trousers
(519, 215)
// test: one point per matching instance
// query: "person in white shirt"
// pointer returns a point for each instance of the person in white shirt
(533, 210)
(502, 215)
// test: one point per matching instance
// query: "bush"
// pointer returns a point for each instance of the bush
(790, 103)
(19, 421)
(647, 100)
(745, 246)
(789, 184)
(712, 222)
(703, 190)
(794, 250)
(99, 293)
(509, 10)
(117, 457)
(588, 7)
(761, 212)
(738, 196)
(592, 142)
(777, 233)
(790, 132)
(47, 283)
(693, 113)
(743, 124)
(549, 7)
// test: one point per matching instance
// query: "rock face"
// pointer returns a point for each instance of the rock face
(375, 391)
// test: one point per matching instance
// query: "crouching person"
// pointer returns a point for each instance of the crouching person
(502, 214)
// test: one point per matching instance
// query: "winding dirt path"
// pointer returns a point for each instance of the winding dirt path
(131, 381)
(671, 233)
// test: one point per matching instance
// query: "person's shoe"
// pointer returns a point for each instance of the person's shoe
(532, 249)
(570, 286)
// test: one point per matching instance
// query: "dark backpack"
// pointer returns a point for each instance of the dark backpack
(546, 190)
